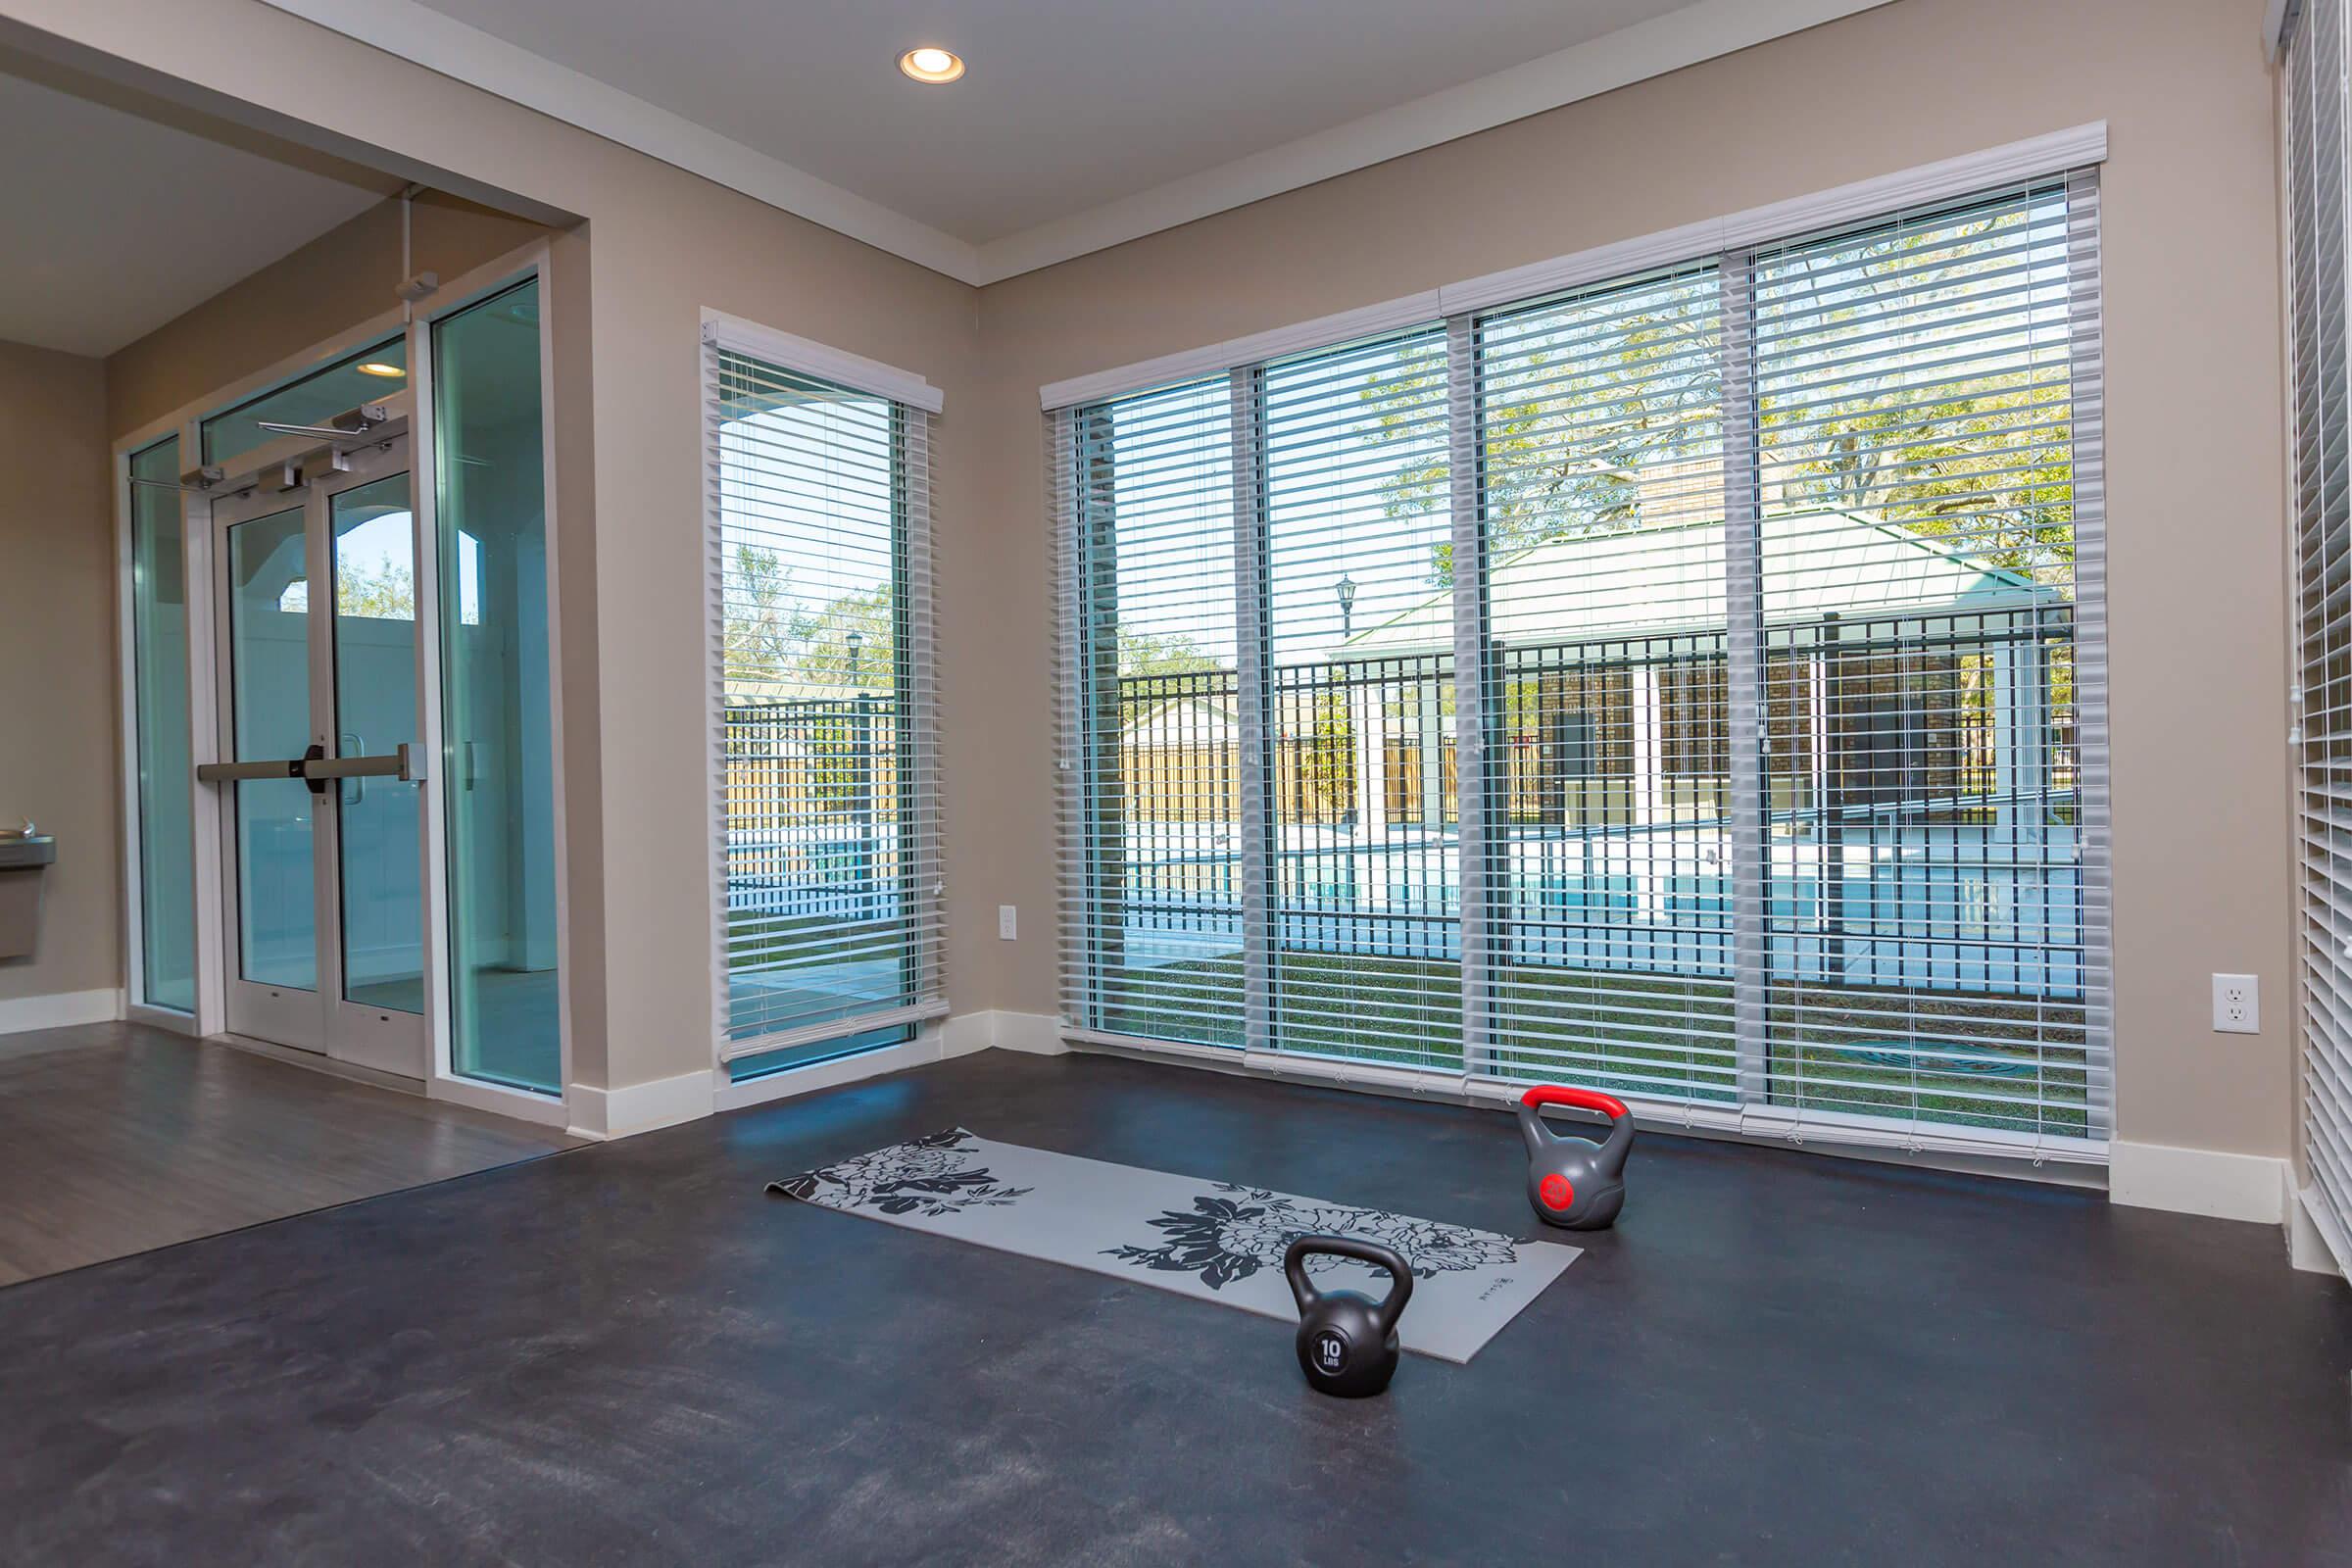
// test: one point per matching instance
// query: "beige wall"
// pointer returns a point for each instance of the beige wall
(2201, 866)
(2197, 637)
(57, 662)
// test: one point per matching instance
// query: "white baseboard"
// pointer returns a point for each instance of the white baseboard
(2198, 1181)
(1037, 1034)
(638, 1108)
(2313, 1243)
(59, 1010)
(642, 1107)
(959, 1036)
(967, 1032)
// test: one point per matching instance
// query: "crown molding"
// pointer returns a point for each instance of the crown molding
(465, 53)
(1670, 42)
(1678, 38)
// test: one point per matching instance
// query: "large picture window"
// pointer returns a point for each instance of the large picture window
(1671, 684)
(827, 762)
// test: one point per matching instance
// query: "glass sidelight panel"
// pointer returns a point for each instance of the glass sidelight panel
(374, 541)
(270, 680)
(165, 826)
(499, 758)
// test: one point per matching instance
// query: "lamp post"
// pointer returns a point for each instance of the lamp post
(1347, 592)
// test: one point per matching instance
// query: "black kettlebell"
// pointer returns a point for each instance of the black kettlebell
(1571, 1182)
(1347, 1341)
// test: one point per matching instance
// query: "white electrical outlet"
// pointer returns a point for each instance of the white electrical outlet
(2236, 1004)
(1008, 923)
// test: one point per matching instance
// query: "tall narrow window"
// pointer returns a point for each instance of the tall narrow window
(1363, 922)
(828, 763)
(1691, 684)
(1152, 906)
(498, 770)
(2315, 158)
(166, 828)
(1610, 868)
(1917, 466)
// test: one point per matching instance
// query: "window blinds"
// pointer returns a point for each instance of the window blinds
(1151, 730)
(825, 752)
(1920, 420)
(1356, 641)
(1608, 853)
(1689, 685)
(2315, 158)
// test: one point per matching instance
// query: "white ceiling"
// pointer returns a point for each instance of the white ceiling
(123, 222)
(1082, 123)
(1068, 104)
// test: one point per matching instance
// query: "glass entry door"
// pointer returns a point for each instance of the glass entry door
(322, 732)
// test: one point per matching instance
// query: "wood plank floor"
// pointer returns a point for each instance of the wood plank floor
(118, 1137)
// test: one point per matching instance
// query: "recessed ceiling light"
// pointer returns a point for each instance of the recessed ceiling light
(930, 65)
(379, 368)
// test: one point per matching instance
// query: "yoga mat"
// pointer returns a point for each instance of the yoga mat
(1210, 1240)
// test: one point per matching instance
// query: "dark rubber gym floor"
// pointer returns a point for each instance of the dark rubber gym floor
(628, 1353)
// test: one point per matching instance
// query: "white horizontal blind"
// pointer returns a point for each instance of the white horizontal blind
(827, 759)
(1921, 383)
(1691, 684)
(1151, 748)
(1363, 932)
(2315, 159)
(1608, 867)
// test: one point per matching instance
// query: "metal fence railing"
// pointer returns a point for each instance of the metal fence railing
(811, 804)
(1921, 822)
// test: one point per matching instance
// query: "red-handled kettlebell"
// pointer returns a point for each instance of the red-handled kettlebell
(1571, 1182)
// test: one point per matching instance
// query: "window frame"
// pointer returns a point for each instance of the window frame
(874, 1039)
(2068, 158)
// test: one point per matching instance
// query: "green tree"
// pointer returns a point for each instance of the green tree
(777, 643)
(385, 591)
(1578, 397)
(1947, 422)
(1888, 387)
(1144, 653)
(764, 622)
(1325, 757)
(850, 645)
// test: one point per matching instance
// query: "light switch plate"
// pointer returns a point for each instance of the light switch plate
(1009, 922)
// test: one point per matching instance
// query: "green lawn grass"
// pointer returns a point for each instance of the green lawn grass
(1645, 1034)
(1657, 1035)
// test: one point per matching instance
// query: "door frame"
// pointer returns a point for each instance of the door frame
(529, 263)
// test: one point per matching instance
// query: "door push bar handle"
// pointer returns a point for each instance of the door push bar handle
(232, 772)
(403, 763)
